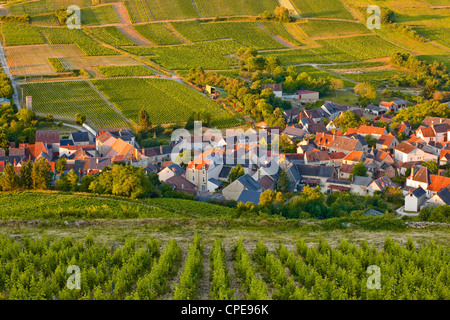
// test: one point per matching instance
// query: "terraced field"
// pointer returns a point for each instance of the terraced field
(166, 101)
(65, 99)
(321, 9)
(20, 34)
(209, 55)
(245, 33)
(157, 33)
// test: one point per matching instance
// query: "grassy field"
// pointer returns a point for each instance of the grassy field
(332, 28)
(20, 34)
(209, 55)
(125, 71)
(111, 35)
(440, 35)
(43, 6)
(377, 77)
(316, 74)
(321, 9)
(47, 19)
(166, 101)
(66, 99)
(245, 33)
(157, 33)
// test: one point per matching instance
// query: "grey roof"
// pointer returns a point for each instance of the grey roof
(361, 139)
(249, 196)
(225, 172)
(249, 183)
(175, 168)
(373, 213)
(65, 142)
(330, 107)
(399, 102)
(215, 181)
(374, 107)
(337, 181)
(315, 171)
(444, 194)
(419, 192)
(293, 172)
(79, 136)
(362, 181)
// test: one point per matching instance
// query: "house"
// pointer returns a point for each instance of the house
(294, 133)
(374, 132)
(346, 145)
(435, 132)
(316, 115)
(71, 151)
(267, 182)
(444, 156)
(276, 88)
(332, 185)
(345, 171)
(170, 171)
(246, 182)
(315, 175)
(291, 115)
(316, 157)
(197, 173)
(331, 111)
(158, 154)
(374, 109)
(307, 96)
(79, 138)
(360, 185)
(48, 137)
(315, 128)
(404, 127)
(181, 184)
(354, 157)
(380, 184)
(387, 141)
(150, 168)
(406, 152)
(419, 178)
(213, 184)
(440, 198)
(415, 199)
(249, 196)
(121, 150)
(393, 106)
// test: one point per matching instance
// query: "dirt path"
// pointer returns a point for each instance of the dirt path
(288, 5)
(133, 35)
(122, 12)
(110, 104)
(205, 285)
(176, 278)
(198, 11)
(235, 280)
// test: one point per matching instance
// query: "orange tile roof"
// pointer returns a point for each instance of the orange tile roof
(386, 139)
(438, 183)
(370, 130)
(405, 147)
(427, 132)
(354, 156)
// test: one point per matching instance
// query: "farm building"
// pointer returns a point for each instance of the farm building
(306, 95)
(276, 88)
(4, 101)
(216, 91)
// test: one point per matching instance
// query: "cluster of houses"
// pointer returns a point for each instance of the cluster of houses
(324, 157)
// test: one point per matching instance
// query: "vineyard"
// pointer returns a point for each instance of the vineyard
(166, 101)
(322, 9)
(295, 56)
(78, 37)
(246, 33)
(157, 33)
(20, 34)
(99, 15)
(111, 35)
(125, 71)
(66, 99)
(209, 8)
(317, 74)
(332, 28)
(35, 268)
(278, 29)
(209, 55)
(57, 65)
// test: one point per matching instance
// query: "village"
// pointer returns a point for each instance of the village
(325, 156)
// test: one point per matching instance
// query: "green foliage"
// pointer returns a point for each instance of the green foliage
(348, 120)
(235, 173)
(20, 34)
(322, 8)
(359, 169)
(125, 71)
(67, 98)
(57, 65)
(416, 114)
(437, 214)
(220, 289)
(166, 101)
(317, 28)
(432, 165)
(157, 33)
(111, 35)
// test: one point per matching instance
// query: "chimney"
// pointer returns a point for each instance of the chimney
(412, 171)
(161, 149)
(410, 192)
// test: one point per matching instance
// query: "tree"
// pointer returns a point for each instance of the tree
(41, 174)
(61, 165)
(144, 120)
(359, 169)
(347, 120)
(9, 182)
(26, 115)
(387, 16)
(72, 180)
(283, 183)
(235, 173)
(430, 164)
(80, 118)
(366, 92)
(282, 14)
(25, 176)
